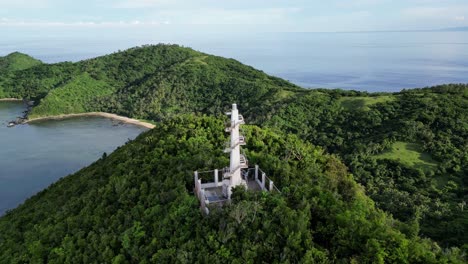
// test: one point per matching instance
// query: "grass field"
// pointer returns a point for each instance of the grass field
(363, 102)
(409, 154)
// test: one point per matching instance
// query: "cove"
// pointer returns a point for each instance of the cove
(33, 156)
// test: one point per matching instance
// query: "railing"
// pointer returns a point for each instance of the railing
(230, 125)
(200, 190)
(239, 141)
(265, 183)
(226, 173)
(244, 163)
(207, 180)
(240, 116)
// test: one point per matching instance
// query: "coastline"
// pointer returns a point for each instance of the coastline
(10, 100)
(98, 114)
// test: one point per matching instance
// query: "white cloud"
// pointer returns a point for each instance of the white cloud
(425, 12)
(351, 21)
(143, 3)
(23, 4)
(441, 13)
(26, 23)
(359, 3)
(210, 16)
(433, 16)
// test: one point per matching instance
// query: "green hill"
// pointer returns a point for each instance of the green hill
(11, 63)
(137, 206)
(151, 82)
(17, 61)
(160, 83)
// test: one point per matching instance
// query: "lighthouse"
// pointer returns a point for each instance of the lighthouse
(237, 161)
(214, 187)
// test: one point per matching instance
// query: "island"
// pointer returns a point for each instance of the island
(361, 177)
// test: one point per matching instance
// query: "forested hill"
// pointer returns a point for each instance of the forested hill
(137, 206)
(151, 82)
(408, 149)
(17, 61)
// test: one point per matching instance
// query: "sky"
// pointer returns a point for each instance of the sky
(235, 15)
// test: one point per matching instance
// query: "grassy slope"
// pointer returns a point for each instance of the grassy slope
(359, 102)
(410, 154)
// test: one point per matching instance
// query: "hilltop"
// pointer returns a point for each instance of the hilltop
(137, 205)
(407, 149)
(17, 61)
(151, 82)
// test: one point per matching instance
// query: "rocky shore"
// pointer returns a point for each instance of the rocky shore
(20, 119)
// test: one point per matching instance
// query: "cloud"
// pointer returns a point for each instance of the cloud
(359, 3)
(141, 3)
(270, 15)
(24, 4)
(428, 12)
(425, 12)
(433, 16)
(176, 5)
(351, 21)
(26, 23)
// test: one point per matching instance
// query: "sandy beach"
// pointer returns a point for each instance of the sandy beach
(100, 114)
(10, 100)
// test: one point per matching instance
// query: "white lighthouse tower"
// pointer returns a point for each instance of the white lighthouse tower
(214, 188)
(232, 175)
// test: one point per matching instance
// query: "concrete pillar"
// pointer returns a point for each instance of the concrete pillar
(263, 181)
(202, 201)
(235, 149)
(256, 172)
(199, 190)
(202, 198)
(216, 178)
(271, 185)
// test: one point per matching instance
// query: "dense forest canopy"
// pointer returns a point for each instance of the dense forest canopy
(137, 205)
(408, 151)
(17, 61)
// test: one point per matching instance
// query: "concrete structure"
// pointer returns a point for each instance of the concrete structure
(215, 187)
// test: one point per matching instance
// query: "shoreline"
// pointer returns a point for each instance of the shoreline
(10, 100)
(95, 114)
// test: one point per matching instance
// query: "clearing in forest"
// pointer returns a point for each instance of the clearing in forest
(363, 102)
(410, 154)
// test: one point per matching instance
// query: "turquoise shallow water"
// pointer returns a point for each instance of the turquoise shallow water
(34, 156)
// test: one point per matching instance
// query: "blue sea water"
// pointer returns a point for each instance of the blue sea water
(366, 61)
(34, 156)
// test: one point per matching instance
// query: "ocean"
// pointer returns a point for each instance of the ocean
(364, 61)
(34, 156)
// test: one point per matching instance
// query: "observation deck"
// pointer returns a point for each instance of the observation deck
(214, 188)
